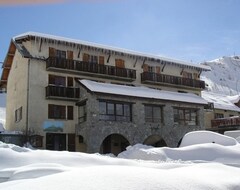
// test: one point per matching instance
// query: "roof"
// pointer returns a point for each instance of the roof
(141, 92)
(109, 48)
(220, 101)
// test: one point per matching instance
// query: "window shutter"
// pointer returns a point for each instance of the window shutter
(101, 60)
(86, 57)
(70, 55)
(158, 69)
(51, 79)
(119, 63)
(52, 52)
(70, 81)
(50, 111)
(70, 112)
(195, 76)
(145, 67)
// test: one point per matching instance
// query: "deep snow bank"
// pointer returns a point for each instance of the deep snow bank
(22, 168)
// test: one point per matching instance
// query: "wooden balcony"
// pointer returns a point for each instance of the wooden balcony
(154, 78)
(225, 122)
(90, 69)
(62, 93)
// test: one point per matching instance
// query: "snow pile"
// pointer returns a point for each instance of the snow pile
(224, 75)
(234, 134)
(143, 167)
(201, 137)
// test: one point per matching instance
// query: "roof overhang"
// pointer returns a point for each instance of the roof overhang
(107, 49)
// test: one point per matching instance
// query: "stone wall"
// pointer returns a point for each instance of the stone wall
(95, 131)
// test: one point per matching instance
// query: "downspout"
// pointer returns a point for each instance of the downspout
(27, 106)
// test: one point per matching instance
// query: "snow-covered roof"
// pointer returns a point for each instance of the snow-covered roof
(234, 99)
(105, 47)
(220, 101)
(141, 92)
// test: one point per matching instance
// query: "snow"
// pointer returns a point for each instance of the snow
(198, 166)
(234, 134)
(2, 111)
(224, 75)
(221, 101)
(202, 137)
(141, 91)
(107, 48)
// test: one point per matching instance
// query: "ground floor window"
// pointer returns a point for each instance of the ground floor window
(115, 111)
(185, 116)
(18, 114)
(153, 113)
(82, 113)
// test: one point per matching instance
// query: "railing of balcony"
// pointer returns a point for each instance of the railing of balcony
(62, 92)
(53, 62)
(169, 79)
(226, 122)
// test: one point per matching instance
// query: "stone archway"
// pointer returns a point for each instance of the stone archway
(155, 140)
(114, 143)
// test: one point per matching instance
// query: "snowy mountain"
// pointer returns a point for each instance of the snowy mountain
(224, 77)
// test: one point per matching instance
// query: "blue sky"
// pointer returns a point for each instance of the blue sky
(190, 30)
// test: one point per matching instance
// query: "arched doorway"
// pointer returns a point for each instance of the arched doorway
(114, 144)
(155, 140)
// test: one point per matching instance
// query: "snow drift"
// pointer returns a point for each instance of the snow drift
(139, 167)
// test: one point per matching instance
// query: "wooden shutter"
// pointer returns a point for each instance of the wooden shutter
(70, 55)
(70, 81)
(158, 69)
(51, 79)
(52, 52)
(145, 67)
(195, 76)
(119, 63)
(50, 111)
(86, 57)
(101, 60)
(70, 112)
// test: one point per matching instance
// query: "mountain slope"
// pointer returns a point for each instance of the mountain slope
(224, 77)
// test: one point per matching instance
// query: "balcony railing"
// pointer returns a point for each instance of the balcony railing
(61, 92)
(173, 80)
(226, 122)
(89, 68)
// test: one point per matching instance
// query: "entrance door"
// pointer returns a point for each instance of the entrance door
(55, 141)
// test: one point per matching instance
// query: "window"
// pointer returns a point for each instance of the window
(61, 54)
(60, 112)
(153, 114)
(218, 115)
(185, 116)
(114, 111)
(56, 53)
(56, 112)
(82, 113)
(93, 59)
(57, 80)
(187, 75)
(151, 69)
(18, 114)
